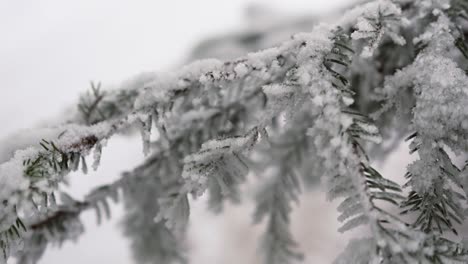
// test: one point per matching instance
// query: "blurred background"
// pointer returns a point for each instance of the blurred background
(51, 49)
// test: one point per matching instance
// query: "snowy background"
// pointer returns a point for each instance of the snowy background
(51, 49)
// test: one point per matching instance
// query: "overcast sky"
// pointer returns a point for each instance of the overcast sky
(51, 49)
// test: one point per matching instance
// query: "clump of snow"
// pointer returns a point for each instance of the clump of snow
(364, 29)
(438, 28)
(370, 22)
(278, 90)
(241, 70)
(440, 86)
(11, 173)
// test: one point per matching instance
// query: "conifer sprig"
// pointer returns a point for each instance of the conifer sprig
(300, 102)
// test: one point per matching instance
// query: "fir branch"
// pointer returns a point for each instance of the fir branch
(279, 163)
(361, 185)
(205, 114)
(11, 236)
(97, 105)
(274, 203)
(437, 205)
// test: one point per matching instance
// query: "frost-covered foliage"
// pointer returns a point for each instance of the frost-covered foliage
(318, 106)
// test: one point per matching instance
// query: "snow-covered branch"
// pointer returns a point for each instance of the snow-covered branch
(281, 111)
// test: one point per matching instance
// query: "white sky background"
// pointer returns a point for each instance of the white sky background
(51, 49)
